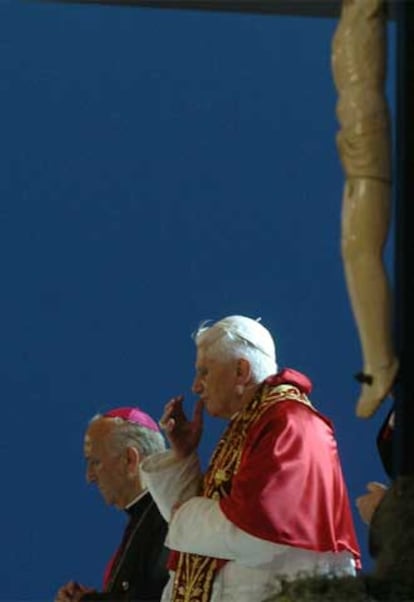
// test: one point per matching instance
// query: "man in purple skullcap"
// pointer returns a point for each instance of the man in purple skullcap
(115, 443)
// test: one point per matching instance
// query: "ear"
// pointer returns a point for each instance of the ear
(133, 459)
(244, 372)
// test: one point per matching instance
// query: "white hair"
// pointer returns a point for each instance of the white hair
(130, 434)
(236, 337)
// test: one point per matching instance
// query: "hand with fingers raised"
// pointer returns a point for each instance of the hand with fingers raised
(183, 435)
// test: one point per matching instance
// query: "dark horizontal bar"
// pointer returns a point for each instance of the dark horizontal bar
(299, 8)
(295, 8)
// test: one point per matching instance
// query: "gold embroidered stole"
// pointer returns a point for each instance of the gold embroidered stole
(194, 574)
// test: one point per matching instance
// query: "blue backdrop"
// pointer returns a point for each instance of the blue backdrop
(157, 169)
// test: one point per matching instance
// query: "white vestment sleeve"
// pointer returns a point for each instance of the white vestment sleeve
(199, 526)
(170, 480)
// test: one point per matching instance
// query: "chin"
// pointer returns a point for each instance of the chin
(214, 412)
(209, 408)
(108, 501)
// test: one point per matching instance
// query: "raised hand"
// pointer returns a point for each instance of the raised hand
(184, 435)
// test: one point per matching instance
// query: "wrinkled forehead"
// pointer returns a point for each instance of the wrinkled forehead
(202, 355)
(97, 434)
(208, 358)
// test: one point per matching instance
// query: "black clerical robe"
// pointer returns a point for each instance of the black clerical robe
(137, 572)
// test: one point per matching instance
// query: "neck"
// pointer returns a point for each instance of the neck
(135, 499)
(134, 490)
(244, 400)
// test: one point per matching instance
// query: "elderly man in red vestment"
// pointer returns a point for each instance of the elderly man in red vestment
(273, 502)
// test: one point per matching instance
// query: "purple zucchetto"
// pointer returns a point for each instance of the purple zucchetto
(134, 415)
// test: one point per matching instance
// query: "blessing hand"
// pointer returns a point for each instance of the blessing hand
(184, 435)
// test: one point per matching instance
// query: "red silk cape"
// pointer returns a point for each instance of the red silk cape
(289, 488)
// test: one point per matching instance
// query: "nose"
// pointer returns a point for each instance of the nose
(197, 385)
(90, 475)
